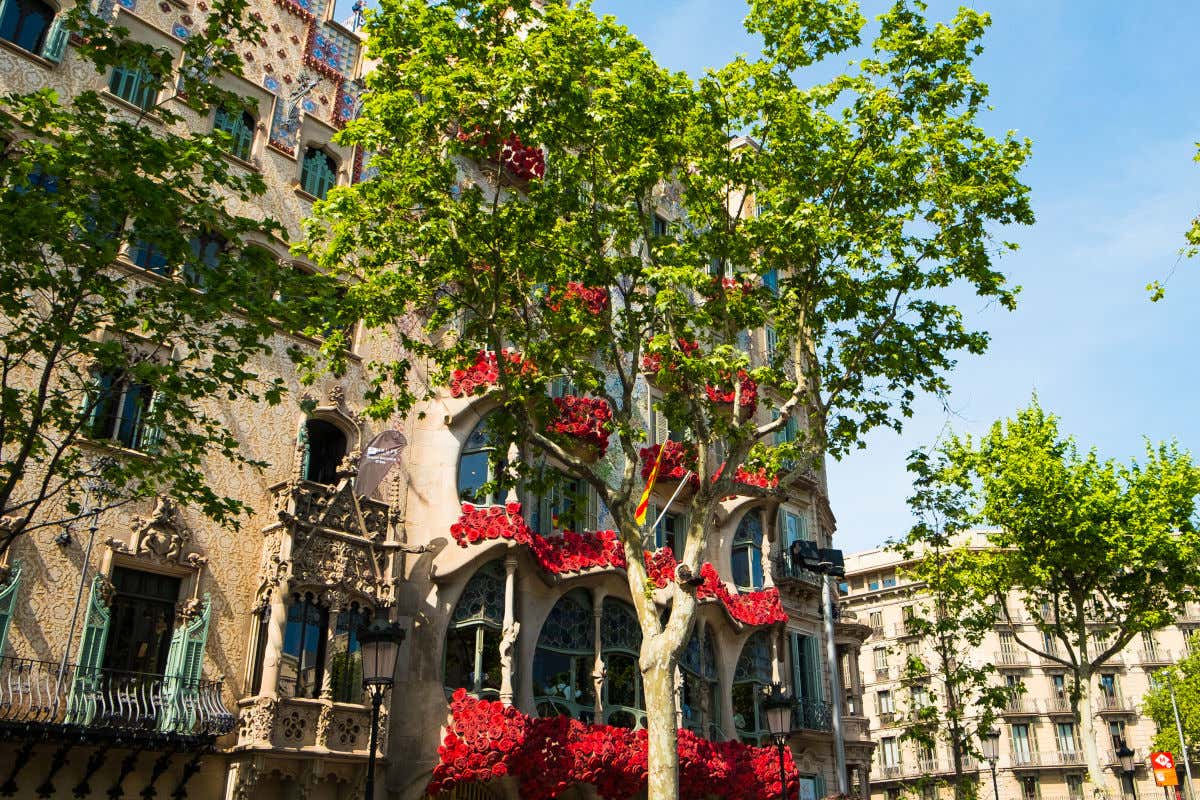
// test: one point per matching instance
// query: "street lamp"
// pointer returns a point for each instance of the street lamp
(777, 707)
(990, 743)
(380, 645)
(1125, 757)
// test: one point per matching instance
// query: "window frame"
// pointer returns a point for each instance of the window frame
(236, 127)
(318, 184)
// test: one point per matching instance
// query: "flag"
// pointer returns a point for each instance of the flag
(639, 514)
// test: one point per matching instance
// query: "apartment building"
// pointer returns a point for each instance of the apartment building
(1040, 756)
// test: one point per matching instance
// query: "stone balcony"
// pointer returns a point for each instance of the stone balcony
(316, 727)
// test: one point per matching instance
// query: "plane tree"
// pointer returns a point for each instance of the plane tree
(773, 254)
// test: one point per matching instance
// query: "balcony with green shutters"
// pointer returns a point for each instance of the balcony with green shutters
(83, 700)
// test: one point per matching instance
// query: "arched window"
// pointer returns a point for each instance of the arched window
(302, 666)
(318, 173)
(476, 465)
(701, 711)
(621, 643)
(753, 672)
(473, 640)
(345, 665)
(747, 553)
(563, 661)
(325, 447)
(240, 126)
(25, 23)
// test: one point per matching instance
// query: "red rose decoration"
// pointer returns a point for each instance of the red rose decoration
(587, 420)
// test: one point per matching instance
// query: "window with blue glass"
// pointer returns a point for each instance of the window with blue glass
(133, 84)
(563, 661)
(621, 643)
(699, 704)
(118, 410)
(751, 675)
(206, 258)
(302, 665)
(345, 663)
(146, 255)
(473, 639)
(240, 127)
(318, 172)
(747, 553)
(477, 466)
(771, 280)
(31, 25)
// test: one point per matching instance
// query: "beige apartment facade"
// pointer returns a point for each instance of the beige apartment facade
(1040, 755)
(98, 621)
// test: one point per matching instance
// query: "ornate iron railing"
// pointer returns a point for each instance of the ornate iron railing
(47, 693)
(788, 570)
(812, 715)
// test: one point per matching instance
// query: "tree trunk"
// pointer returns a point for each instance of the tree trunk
(658, 685)
(1087, 732)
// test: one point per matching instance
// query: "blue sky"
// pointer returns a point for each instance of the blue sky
(1105, 90)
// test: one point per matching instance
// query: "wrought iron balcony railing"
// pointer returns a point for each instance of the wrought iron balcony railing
(812, 715)
(85, 700)
(789, 571)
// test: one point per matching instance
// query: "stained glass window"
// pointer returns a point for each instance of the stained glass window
(564, 660)
(752, 673)
(747, 553)
(473, 641)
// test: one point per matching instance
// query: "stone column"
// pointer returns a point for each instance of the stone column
(509, 636)
(273, 653)
(336, 605)
(855, 681)
(599, 669)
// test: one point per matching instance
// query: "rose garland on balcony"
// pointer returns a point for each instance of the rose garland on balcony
(484, 372)
(571, 552)
(653, 361)
(587, 420)
(523, 161)
(751, 608)
(725, 396)
(486, 740)
(757, 478)
(592, 298)
(677, 460)
(578, 552)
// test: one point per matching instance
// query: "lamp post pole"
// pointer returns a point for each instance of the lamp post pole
(990, 743)
(777, 707)
(380, 644)
(376, 702)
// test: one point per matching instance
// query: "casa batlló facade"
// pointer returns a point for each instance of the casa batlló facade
(146, 651)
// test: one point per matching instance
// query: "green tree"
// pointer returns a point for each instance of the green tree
(99, 358)
(1094, 551)
(953, 701)
(833, 224)
(1184, 676)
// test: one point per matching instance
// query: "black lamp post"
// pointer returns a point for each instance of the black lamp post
(1125, 756)
(990, 743)
(380, 643)
(777, 708)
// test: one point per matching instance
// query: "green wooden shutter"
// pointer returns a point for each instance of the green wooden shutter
(812, 671)
(86, 685)
(185, 661)
(819, 780)
(797, 667)
(8, 601)
(56, 41)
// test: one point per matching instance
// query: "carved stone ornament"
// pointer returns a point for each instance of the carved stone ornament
(161, 536)
(257, 721)
(508, 641)
(332, 562)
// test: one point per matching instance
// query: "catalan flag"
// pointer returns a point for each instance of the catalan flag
(639, 514)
